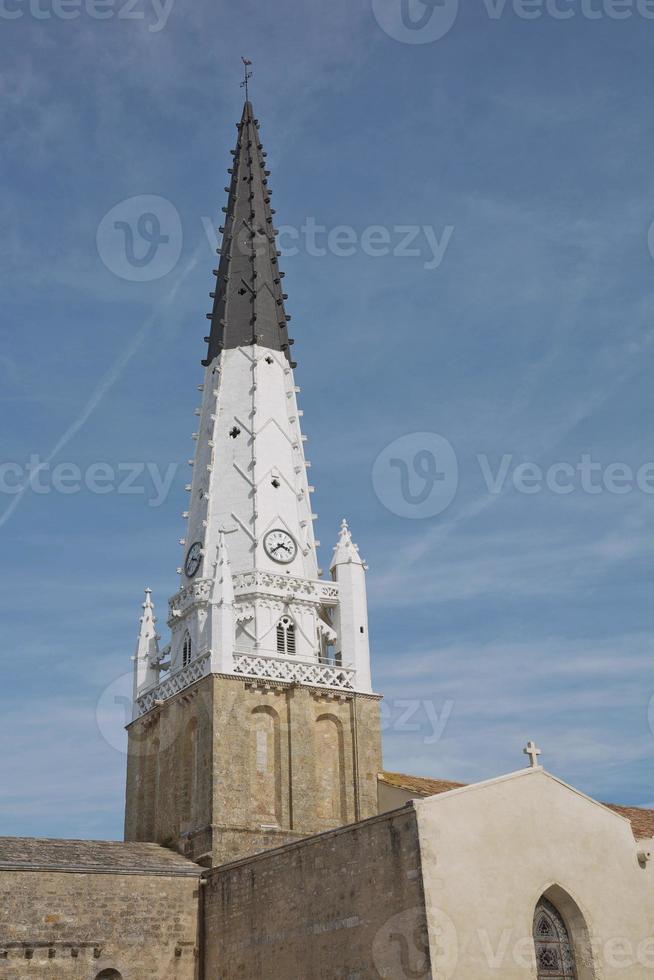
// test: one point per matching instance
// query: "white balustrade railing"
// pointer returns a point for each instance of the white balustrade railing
(262, 666)
(288, 669)
(174, 683)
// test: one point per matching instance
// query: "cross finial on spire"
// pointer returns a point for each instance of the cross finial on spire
(533, 752)
(247, 64)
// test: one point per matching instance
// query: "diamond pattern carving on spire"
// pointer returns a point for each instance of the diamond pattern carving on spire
(248, 300)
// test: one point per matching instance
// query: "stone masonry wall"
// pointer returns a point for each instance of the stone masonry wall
(347, 905)
(230, 767)
(71, 926)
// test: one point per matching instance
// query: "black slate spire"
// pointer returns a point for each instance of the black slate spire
(249, 301)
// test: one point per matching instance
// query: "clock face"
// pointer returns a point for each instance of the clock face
(193, 559)
(280, 546)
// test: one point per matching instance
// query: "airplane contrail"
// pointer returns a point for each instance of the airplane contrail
(104, 386)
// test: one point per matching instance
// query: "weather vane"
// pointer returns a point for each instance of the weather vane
(247, 64)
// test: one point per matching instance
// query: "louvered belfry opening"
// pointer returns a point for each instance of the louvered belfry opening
(286, 636)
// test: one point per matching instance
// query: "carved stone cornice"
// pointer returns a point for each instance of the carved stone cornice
(247, 584)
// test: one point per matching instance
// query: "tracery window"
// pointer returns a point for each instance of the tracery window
(286, 635)
(554, 952)
(187, 650)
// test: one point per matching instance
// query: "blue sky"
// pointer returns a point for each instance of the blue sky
(504, 617)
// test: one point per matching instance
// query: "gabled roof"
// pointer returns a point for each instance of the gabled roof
(38, 853)
(248, 300)
(642, 821)
(419, 785)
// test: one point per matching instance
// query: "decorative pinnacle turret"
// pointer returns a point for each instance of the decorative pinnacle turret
(346, 550)
(248, 303)
(148, 640)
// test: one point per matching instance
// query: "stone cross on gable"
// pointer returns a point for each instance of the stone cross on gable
(533, 754)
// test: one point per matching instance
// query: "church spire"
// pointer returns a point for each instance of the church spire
(248, 301)
(260, 643)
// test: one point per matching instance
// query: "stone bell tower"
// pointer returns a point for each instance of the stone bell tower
(257, 725)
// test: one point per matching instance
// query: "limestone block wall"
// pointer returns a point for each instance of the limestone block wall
(170, 756)
(72, 926)
(346, 904)
(231, 766)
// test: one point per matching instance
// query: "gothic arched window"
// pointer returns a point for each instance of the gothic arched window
(286, 635)
(187, 650)
(555, 958)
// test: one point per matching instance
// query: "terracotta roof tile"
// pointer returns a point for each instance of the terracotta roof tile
(642, 821)
(418, 784)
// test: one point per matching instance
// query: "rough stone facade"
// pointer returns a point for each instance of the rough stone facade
(70, 910)
(334, 906)
(231, 767)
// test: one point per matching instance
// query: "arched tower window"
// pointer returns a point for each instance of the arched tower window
(286, 635)
(109, 975)
(555, 958)
(187, 650)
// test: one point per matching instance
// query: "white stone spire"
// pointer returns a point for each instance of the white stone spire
(262, 610)
(146, 658)
(351, 614)
(249, 471)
